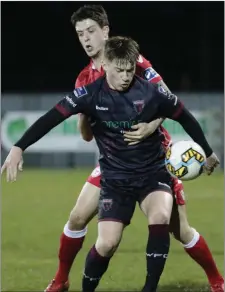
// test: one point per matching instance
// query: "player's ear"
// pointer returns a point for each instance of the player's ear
(105, 32)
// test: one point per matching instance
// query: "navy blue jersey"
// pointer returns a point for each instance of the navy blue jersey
(113, 113)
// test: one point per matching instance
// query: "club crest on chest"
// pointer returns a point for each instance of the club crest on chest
(139, 105)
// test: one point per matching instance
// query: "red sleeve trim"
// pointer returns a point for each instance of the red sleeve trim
(156, 79)
(62, 110)
(178, 111)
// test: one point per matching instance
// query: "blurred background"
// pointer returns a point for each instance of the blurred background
(41, 59)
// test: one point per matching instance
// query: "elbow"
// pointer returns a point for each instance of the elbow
(86, 136)
(85, 129)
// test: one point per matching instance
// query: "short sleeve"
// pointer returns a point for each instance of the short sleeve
(146, 71)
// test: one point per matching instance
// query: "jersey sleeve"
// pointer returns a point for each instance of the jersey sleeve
(168, 104)
(146, 71)
(79, 101)
(77, 83)
(79, 80)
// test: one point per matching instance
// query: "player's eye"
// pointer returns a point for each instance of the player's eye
(130, 70)
(91, 30)
(80, 34)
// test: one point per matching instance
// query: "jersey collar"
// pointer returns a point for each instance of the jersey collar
(94, 68)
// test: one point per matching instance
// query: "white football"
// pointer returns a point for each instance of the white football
(185, 160)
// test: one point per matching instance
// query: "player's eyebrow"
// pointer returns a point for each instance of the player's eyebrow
(91, 26)
(130, 69)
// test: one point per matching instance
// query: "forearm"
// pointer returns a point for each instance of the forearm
(85, 128)
(40, 128)
(158, 122)
(193, 129)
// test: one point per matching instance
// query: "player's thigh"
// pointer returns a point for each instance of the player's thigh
(157, 207)
(86, 206)
(157, 203)
(179, 215)
(89, 195)
(179, 225)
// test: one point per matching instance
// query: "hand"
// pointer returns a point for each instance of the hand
(141, 131)
(211, 163)
(13, 162)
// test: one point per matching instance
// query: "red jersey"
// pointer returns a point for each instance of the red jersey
(143, 69)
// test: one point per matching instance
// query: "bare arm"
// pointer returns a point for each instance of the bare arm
(85, 128)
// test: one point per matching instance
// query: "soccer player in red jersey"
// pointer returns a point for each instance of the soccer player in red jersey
(92, 27)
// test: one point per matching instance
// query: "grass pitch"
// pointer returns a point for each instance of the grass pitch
(36, 207)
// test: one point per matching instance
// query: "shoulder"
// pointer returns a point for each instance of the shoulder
(90, 89)
(145, 86)
(142, 83)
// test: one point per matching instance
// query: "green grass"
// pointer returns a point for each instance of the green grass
(36, 207)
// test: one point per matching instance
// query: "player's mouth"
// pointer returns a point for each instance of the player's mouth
(89, 48)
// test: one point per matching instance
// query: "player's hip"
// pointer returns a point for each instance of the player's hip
(137, 186)
(133, 171)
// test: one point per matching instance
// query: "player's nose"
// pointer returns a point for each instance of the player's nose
(125, 77)
(125, 80)
(86, 37)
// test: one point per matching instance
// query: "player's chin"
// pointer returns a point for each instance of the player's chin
(91, 54)
(122, 87)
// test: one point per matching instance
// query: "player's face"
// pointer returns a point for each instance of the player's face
(119, 74)
(91, 36)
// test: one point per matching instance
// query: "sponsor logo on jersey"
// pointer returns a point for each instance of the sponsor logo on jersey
(80, 91)
(170, 96)
(70, 101)
(101, 108)
(162, 90)
(150, 74)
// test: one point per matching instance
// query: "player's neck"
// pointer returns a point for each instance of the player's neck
(97, 61)
(109, 84)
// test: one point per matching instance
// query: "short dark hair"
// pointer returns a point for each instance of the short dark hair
(124, 49)
(94, 12)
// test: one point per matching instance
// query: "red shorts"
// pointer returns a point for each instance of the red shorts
(178, 189)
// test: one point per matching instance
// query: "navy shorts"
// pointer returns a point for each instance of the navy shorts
(118, 197)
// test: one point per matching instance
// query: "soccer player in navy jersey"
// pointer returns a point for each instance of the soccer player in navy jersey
(92, 28)
(130, 174)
